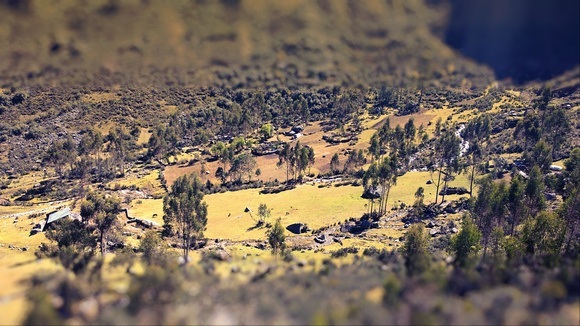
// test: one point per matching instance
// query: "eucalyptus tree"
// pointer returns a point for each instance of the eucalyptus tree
(101, 210)
(185, 211)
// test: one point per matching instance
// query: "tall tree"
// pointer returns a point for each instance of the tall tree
(102, 210)
(465, 244)
(450, 147)
(489, 208)
(334, 164)
(534, 192)
(515, 203)
(285, 156)
(544, 236)
(477, 133)
(91, 144)
(120, 144)
(185, 211)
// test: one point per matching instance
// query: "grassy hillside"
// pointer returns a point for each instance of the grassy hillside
(255, 42)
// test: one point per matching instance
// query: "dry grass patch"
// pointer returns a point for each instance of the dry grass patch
(144, 136)
(16, 266)
(149, 182)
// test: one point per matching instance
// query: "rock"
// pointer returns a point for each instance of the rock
(301, 263)
(320, 239)
(433, 232)
(235, 269)
(430, 224)
(260, 246)
(89, 309)
(454, 230)
(555, 168)
(222, 255)
(550, 195)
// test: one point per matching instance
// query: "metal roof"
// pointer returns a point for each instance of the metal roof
(57, 215)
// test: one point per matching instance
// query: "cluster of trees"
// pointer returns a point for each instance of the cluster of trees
(240, 163)
(476, 132)
(445, 160)
(85, 158)
(185, 212)
(544, 122)
(297, 159)
(388, 149)
(399, 141)
(509, 225)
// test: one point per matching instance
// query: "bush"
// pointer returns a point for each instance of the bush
(276, 237)
(342, 252)
(417, 258)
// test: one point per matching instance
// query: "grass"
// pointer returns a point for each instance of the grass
(16, 266)
(149, 182)
(147, 209)
(307, 204)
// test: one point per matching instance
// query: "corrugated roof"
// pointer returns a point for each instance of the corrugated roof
(51, 217)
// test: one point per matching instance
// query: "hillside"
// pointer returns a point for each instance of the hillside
(246, 43)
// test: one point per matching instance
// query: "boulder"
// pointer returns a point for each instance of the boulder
(433, 232)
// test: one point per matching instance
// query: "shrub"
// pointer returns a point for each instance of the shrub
(417, 258)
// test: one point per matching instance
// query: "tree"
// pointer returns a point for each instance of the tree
(410, 130)
(334, 164)
(276, 237)
(242, 164)
(264, 213)
(541, 155)
(266, 131)
(534, 192)
(185, 212)
(387, 178)
(286, 156)
(515, 203)
(102, 211)
(304, 158)
(466, 243)
(60, 154)
(557, 127)
(489, 208)
(450, 151)
(151, 246)
(415, 253)
(91, 144)
(419, 198)
(544, 236)
(570, 212)
(476, 132)
(120, 142)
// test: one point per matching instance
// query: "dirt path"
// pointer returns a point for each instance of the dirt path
(53, 206)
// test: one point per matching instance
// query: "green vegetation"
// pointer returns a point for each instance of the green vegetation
(185, 213)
